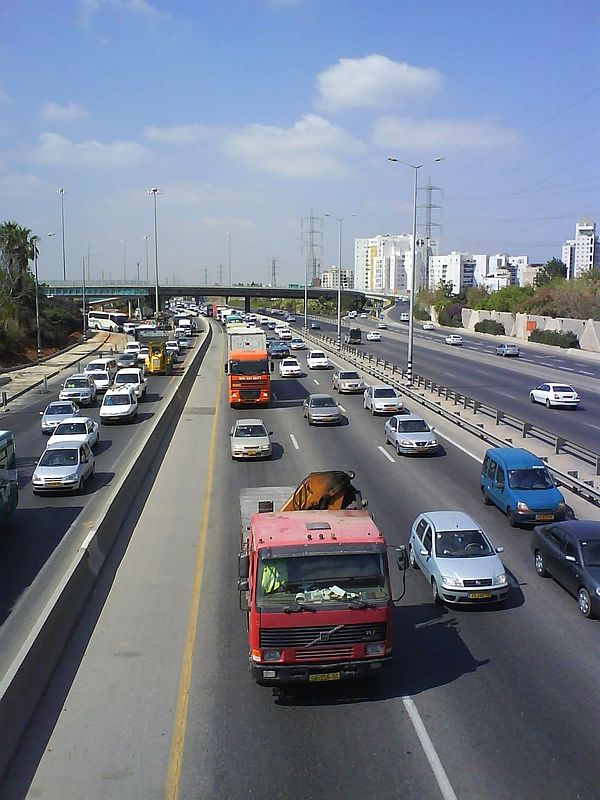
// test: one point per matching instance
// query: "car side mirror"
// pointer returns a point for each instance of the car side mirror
(571, 559)
(270, 433)
(499, 549)
(41, 413)
(402, 558)
(424, 552)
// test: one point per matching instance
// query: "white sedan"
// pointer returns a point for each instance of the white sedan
(555, 394)
(382, 400)
(454, 339)
(428, 326)
(76, 429)
(317, 359)
(289, 368)
(373, 336)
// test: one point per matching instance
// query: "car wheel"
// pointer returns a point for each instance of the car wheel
(512, 520)
(540, 565)
(585, 602)
(80, 486)
(398, 449)
(372, 411)
(486, 497)
(531, 398)
(434, 591)
(411, 558)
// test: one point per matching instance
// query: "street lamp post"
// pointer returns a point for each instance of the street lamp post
(84, 325)
(61, 192)
(154, 192)
(339, 281)
(89, 263)
(411, 299)
(38, 331)
(146, 241)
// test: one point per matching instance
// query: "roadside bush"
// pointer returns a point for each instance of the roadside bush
(490, 326)
(558, 339)
(451, 315)
(421, 313)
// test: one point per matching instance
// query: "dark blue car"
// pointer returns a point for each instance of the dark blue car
(279, 350)
(570, 552)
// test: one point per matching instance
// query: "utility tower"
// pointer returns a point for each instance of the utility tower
(273, 271)
(206, 276)
(428, 225)
(311, 235)
(220, 274)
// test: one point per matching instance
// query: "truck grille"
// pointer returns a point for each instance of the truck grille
(478, 582)
(249, 394)
(319, 654)
(302, 637)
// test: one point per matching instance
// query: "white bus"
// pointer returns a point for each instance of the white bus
(110, 320)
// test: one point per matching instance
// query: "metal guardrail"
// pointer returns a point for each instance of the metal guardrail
(392, 374)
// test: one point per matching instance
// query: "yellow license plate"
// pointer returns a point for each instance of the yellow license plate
(543, 517)
(325, 676)
(479, 595)
(54, 484)
(250, 452)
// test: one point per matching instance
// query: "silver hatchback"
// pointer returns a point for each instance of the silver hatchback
(410, 434)
(250, 439)
(64, 466)
(55, 413)
(321, 409)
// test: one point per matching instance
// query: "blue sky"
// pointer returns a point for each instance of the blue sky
(248, 114)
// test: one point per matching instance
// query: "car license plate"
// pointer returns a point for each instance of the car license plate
(325, 676)
(54, 484)
(479, 595)
(251, 452)
(544, 517)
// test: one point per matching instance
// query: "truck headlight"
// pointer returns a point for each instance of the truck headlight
(500, 580)
(271, 655)
(451, 583)
(375, 649)
(522, 506)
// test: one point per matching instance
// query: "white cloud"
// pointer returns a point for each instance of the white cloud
(312, 147)
(374, 81)
(66, 113)
(52, 148)
(19, 185)
(178, 134)
(441, 134)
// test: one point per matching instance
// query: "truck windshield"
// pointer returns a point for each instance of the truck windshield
(250, 367)
(336, 578)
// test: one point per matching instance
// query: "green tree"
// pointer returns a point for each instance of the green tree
(17, 247)
(552, 269)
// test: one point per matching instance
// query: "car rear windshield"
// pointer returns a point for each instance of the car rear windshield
(288, 363)
(591, 552)
(100, 376)
(322, 402)
(384, 393)
(117, 400)
(349, 376)
(251, 367)
(531, 478)
(59, 409)
(70, 428)
(77, 383)
(248, 431)
(316, 354)
(462, 544)
(414, 426)
(127, 377)
(95, 366)
(558, 388)
(59, 458)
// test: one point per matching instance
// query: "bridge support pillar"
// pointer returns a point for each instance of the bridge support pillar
(247, 306)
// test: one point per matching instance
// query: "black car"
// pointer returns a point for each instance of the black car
(127, 360)
(279, 350)
(314, 326)
(570, 552)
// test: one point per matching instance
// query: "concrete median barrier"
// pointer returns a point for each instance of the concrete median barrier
(27, 676)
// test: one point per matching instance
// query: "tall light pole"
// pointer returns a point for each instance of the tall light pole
(154, 192)
(411, 306)
(229, 257)
(339, 287)
(38, 332)
(62, 192)
(89, 267)
(146, 241)
(84, 325)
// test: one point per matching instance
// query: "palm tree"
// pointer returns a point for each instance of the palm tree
(17, 248)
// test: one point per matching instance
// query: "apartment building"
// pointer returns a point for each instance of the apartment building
(582, 253)
(465, 270)
(329, 278)
(383, 263)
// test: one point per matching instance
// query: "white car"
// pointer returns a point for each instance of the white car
(102, 379)
(428, 326)
(76, 429)
(382, 326)
(119, 405)
(555, 394)
(263, 321)
(382, 400)
(289, 368)
(172, 348)
(297, 344)
(285, 335)
(317, 359)
(373, 336)
(132, 347)
(134, 377)
(364, 316)
(184, 343)
(250, 439)
(454, 339)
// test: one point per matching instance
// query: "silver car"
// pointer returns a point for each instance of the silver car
(250, 439)
(382, 400)
(57, 412)
(457, 559)
(508, 350)
(410, 434)
(64, 466)
(347, 380)
(79, 388)
(321, 409)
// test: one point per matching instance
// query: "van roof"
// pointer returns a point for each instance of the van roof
(516, 457)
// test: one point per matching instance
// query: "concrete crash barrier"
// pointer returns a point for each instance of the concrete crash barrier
(28, 675)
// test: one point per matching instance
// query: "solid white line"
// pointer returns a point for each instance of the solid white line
(386, 454)
(432, 757)
(294, 442)
(587, 373)
(316, 381)
(343, 409)
(459, 446)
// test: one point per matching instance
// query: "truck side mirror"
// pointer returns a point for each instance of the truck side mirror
(272, 366)
(226, 369)
(402, 558)
(243, 571)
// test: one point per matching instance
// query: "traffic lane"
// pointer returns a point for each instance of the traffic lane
(441, 648)
(41, 522)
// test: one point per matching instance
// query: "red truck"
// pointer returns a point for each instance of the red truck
(314, 582)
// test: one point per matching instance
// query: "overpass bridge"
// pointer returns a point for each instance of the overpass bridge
(132, 290)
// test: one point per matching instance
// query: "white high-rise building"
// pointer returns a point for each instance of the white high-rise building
(465, 270)
(455, 268)
(383, 264)
(582, 253)
(329, 278)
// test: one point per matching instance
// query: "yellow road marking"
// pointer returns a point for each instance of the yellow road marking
(179, 727)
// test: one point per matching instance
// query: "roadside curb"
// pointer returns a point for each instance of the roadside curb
(25, 681)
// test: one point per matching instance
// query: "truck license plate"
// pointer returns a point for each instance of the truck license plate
(479, 595)
(325, 676)
(543, 517)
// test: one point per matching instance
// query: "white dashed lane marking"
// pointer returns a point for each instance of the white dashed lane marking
(316, 381)
(386, 454)
(294, 442)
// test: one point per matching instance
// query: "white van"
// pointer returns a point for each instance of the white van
(106, 364)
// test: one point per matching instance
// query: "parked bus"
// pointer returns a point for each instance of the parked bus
(110, 320)
(9, 484)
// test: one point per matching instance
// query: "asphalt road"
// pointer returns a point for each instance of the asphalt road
(503, 383)
(505, 696)
(41, 522)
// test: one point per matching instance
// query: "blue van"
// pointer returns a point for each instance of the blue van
(521, 485)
